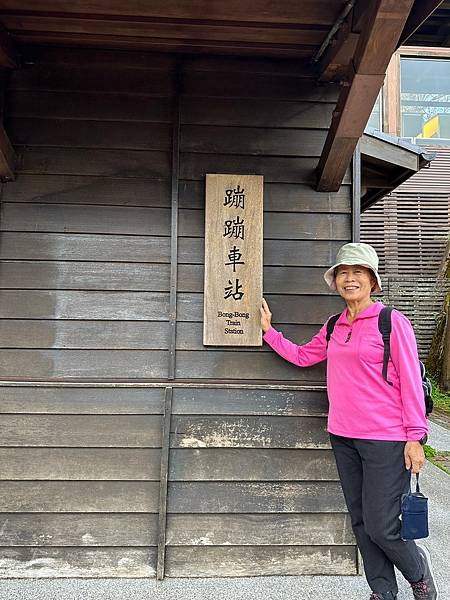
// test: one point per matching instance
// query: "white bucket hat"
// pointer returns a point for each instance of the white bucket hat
(355, 254)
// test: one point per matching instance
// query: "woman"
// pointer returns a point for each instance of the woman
(377, 431)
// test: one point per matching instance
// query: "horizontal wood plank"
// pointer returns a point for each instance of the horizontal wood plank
(93, 78)
(82, 105)
(92, 335)
(248, 464)
(85, 219)
(80, 464)
(91, 247)
(253, 561)
(216, 401)
(184, 497)
(260, 49)
(255, 112)
(255, 497)
(258, 529)
(178, 31)
(90, 529)
(156, 249)
(84, 530)
(84, 275)
(118, 364)
(151, 164)
(280, 225)
(77, 562)
(255, 85)
(310, 11)
(220, 464)
(75, 189)
(275, 169)
(81, 400)
(156, 221)
(99, 57)
(288, 197)
(285, 308)
(228, 65)
(151, 306)
(235, 366)
(249, 432)
(96, 431)
(287, 280)
(118, 335)
(79, 496)
(65, 133)
(108, 306)
(267, 141)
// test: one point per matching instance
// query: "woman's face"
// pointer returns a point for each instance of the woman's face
(354, 282)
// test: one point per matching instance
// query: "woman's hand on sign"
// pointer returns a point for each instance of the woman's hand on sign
(266, 316)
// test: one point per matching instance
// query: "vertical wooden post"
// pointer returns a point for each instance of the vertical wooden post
(165, 443)
(164, 479)
(391, 97)
(356, 194)
(174, 222)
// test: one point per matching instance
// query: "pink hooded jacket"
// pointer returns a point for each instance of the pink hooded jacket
(362, 404)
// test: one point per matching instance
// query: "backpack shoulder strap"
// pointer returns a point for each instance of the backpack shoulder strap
(330, 325)
(385, 327)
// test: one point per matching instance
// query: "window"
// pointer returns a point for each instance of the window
(425, 100)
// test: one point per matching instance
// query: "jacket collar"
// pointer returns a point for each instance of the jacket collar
(371, 311)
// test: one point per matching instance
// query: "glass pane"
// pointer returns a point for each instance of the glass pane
(375, 115)
(425, 100)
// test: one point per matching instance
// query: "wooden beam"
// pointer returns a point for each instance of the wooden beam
(8, 53)
(336, 59)
(7, 157)
(377, 42)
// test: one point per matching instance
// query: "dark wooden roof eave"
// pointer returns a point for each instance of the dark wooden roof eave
(380, 30)
(386, 162)
(378, 39)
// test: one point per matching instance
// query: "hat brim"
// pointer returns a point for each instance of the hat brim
(329, 275)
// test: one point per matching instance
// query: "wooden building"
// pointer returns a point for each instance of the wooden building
(127, 447)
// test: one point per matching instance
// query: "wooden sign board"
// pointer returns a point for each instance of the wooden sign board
(233, 260)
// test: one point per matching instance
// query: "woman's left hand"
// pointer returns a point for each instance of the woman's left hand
(414, 456)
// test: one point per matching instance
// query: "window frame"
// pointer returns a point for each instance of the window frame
(391, 88)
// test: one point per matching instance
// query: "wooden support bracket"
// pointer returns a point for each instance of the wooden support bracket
(376, 44)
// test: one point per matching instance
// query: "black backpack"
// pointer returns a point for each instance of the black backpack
(385, 326)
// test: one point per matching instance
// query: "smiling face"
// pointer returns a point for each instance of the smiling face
(354, 282)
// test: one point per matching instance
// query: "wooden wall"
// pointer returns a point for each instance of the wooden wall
(410, 227)
(86, 284)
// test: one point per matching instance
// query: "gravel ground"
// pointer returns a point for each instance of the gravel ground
(435, 484)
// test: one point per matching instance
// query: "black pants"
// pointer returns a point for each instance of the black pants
(373, 478)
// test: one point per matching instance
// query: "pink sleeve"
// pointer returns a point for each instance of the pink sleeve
(303, 356)
(406, 361)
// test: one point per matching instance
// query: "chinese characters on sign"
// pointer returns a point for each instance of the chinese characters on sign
(233, 260)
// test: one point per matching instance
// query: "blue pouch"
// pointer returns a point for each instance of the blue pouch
(414, 514)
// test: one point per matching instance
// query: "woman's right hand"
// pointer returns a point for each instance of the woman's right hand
(266, 316)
